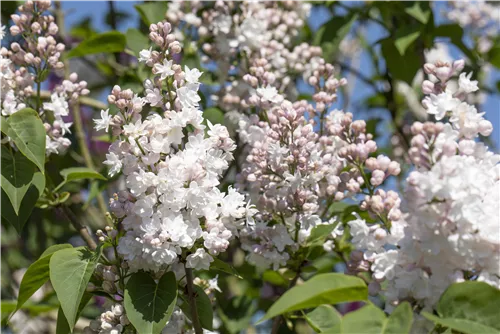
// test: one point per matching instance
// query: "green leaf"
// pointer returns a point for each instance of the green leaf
(204, 307)
(372, 320)
(322, 289)
(70, 272)
(224, 267)
(9, 306)
(149, 305)
(371, 126)
(452, 31)
(17, 175)
(152, 12)
(494, 56)
(418, 13)
(54, 248)
(401, 67)
(28, 203)
(320, 231)
(461, 325)
(37, 274)
(333, 32)
(136, 41)
(367, 320)
(214, 115)
(20, 187)
(109, 42)
(78, 173)
(62, 326)
(402, 43)
(337, 208)
(469, 307)
(26, 129)
(9, 8)
(400, 319)
(275, 278)
(323, 318)
(455, 33)
(236, 313)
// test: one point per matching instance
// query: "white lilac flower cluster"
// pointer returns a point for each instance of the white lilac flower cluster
(172, 207)
(479, 16)
(302, 157)
(450, 231)
(235, 36)
(28, 63)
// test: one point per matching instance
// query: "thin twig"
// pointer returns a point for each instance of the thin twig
(84, 232)
(192, 301)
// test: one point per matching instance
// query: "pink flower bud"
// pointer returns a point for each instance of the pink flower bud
(458, 65)
(429, 68)
(427, 87)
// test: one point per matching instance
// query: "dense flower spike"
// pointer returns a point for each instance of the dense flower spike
(450, 231)
(172, 163)
(301, 159)
(26, 65)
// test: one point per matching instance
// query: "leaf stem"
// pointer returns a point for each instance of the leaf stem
(38, 97)
(192, 301)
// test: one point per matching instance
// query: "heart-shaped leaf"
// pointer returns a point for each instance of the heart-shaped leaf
(148, 304)
(17, 176)
(26, 129)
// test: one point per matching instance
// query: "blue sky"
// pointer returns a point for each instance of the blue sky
(77, 10)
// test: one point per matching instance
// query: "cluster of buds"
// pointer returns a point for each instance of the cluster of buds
(442, 71)
(72, 88)
(357, 263)
(422, 149)
(24, 22)
(323, 80)
(208, 285)
(121, 204)
(381, 167)
(129, 105)
(28, 63)
(383, 204)
(112, 321)
(38, 31)
(161, 34)
(109, 277)
(108, 234)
